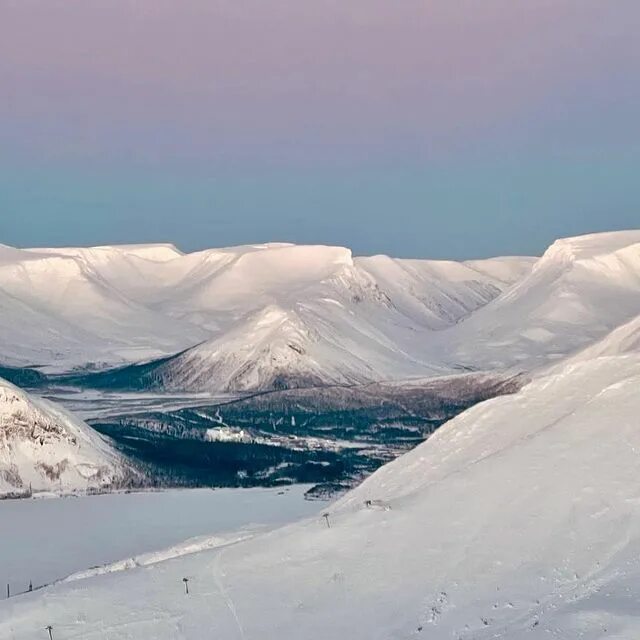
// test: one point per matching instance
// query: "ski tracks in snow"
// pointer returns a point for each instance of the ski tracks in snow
(218, 577)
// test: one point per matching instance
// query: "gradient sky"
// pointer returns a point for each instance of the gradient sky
(435, 128)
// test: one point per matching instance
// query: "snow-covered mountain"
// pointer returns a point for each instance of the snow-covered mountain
(312, 344)
(304, 316)
(45, 448)
(260, 314)
(517, 519)
(579, 290)
(279, 348)
(264, 316)
(70, 307)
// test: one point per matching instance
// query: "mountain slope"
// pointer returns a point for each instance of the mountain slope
(517, 519)
(438, 293)
(278, 348)
(275, 348)
(579, 290)
(279, 315)
(337, 320)
(45, 448)
(59, 309)
(621, 341)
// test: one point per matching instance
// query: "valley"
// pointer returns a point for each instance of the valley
(331, 436)
(474, 426)
(294, 363)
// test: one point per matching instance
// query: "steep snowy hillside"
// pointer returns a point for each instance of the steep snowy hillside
(579, 290)
(518, 519)
(45, 448)
(336, 320)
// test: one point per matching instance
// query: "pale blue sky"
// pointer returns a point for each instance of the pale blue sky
(442, 128)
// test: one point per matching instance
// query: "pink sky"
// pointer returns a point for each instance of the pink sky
(287, 78)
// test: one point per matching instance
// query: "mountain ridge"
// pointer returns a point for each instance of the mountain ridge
(116, 305)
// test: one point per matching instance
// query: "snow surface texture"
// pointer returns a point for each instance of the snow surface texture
(517, 519)
(307, 311)
(43, 447)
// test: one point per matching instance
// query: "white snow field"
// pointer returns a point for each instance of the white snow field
(518, 519)
(45, 540)
(347, 318)
(43, 447)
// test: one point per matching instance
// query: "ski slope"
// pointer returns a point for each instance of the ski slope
(517, 519)
(45, 448)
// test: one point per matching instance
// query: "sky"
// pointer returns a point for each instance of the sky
(424, 128)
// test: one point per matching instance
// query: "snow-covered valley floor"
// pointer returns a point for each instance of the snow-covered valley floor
(44, 540)
(91, 404)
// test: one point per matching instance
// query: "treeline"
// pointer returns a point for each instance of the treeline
(170, 461)
(23, 376)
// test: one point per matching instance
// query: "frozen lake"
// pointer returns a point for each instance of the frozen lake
(47, 539)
